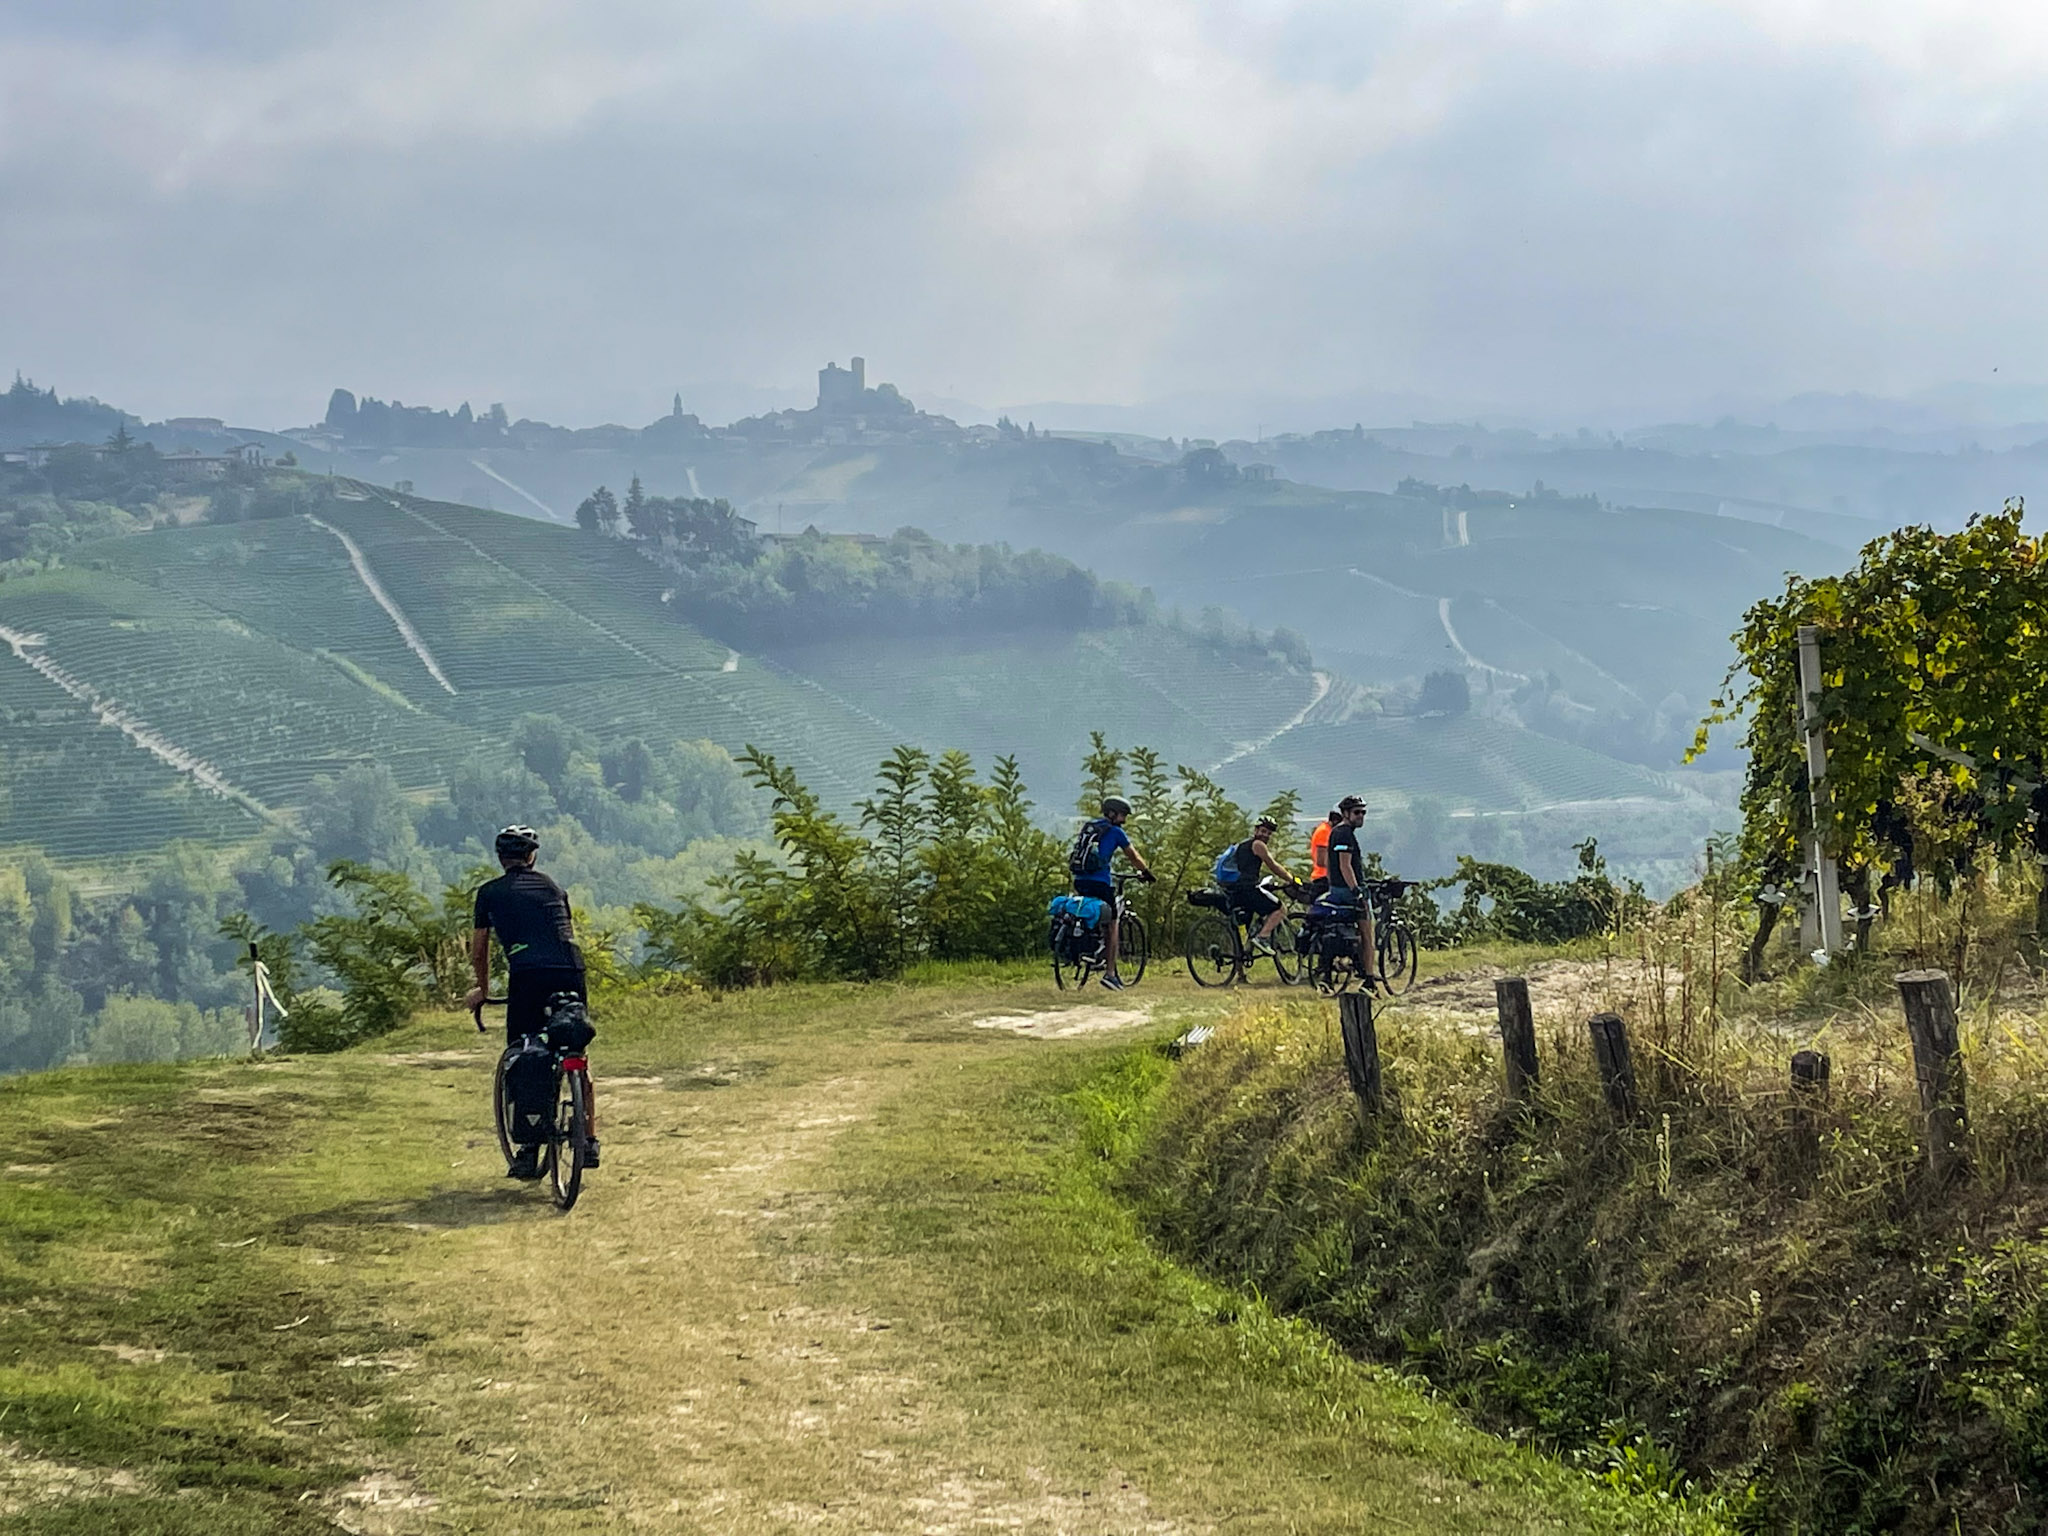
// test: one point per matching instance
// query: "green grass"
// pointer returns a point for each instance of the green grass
(852, 1263)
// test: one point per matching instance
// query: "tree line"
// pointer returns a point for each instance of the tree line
(756, 589)
(937, 863)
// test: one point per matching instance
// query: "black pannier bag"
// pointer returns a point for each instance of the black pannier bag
(1214, 899)
(569, 1028)
(530, 1088)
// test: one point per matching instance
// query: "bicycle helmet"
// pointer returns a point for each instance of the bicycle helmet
(1267, 822)
(1350, 803)
(516, 842)
(1116, 805)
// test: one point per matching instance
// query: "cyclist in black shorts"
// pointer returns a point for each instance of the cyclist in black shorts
(1253, 858)
(530, 915)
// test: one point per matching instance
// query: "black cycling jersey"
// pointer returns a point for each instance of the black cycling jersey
(1249, 869)
(1344, 839)
(530, 915)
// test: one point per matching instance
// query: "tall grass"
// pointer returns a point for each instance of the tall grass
(1838, 1342)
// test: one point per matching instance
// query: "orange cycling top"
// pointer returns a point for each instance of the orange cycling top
(1319, 847)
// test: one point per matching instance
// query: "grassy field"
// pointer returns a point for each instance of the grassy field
(851, 1264)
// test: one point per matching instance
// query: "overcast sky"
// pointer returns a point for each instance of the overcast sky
(1590, 208)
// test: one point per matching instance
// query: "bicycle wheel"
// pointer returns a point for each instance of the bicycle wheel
(1065, 972)
(1400, 956)
(1211, 949)
(1134, 948)
(1287, 951)
(1333, 966)
(501, 1105)
(567, 1146)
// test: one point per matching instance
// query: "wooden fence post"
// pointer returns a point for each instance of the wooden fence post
(1938, 1066)
(1361, 1049)
(1809, 1091)
(1617, 1072)
(1517, 1035)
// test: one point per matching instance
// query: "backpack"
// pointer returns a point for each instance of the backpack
(1085, 860)
(530, 1088)
(1225, 871)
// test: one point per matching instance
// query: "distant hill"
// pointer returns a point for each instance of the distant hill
(32, 415)
(193, 681)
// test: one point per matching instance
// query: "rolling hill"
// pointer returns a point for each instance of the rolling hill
(192, 682)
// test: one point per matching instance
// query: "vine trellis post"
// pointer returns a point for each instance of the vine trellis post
(1820, 924)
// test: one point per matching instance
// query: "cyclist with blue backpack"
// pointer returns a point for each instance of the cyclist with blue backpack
(1094, 852)
(1237, 871)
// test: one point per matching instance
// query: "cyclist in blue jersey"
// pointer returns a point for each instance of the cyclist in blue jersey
(1095, 851)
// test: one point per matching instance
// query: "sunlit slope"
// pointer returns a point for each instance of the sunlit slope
(514, 617)
(241, 662)
(80, 790)
(195, 696)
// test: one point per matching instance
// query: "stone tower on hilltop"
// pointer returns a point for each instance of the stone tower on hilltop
(840, 390)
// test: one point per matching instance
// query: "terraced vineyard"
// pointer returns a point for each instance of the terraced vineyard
(1460, 763)
(258, 656)
(81, 791)
(1140, 688)
(269, 717)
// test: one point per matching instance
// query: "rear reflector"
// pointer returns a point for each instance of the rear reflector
(575, 1064)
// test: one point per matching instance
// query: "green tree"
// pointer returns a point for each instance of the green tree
(630, 770)
(598, 513)
(638, 514)
(1027, 866)
(396, 952)
(40, 1029)
(1934, 661)
(547, 744)
(143, 1029)
(17, 930)
(955, 863)
(1102, 774)
(897, 815)
(360, 816)
(1444, 692)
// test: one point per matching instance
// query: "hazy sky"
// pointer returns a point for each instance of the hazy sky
(1585, 207)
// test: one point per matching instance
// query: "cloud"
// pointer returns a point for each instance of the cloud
(1585, 206)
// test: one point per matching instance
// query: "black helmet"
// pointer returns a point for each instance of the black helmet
(517, 842)
(1351, 803)
(1116, 805)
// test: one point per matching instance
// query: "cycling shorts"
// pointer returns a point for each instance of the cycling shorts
(1100, 890)
(1342, 896)
(526, 997)
(1254, 899)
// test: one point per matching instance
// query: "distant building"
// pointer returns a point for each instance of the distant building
(213, 466)
(1258, 471)
(195, 466)
(841, 390)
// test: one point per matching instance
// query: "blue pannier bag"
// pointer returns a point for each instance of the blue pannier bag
(1089, 909)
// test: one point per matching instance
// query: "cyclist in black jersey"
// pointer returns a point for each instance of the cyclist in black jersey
(1253, 857)
(530, 915)
(1347, 881)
